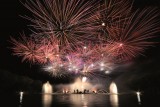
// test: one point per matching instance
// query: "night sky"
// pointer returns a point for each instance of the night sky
(144, 69)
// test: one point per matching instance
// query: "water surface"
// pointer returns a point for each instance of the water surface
(78, 100)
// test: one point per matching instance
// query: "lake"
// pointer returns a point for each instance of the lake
(78, 100)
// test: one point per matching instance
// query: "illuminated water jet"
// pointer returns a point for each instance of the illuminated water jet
(81, 84)
(113, 88)
(113, 94)
(47, 88)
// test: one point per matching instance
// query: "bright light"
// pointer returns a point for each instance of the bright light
(102, 64)
(102, 54)
(61, 65)
(21, 97)
(74, 67)
(102, 69)
(138, 96)
(114, 100)
(49, 68)
(103, 24)
(84, 79)
(121, 44)
(138, 93)
(85, 47)
(107, 72)
(113, 88)
(92, 65)
(47, 88)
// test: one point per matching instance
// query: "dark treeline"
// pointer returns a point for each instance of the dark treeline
(10, 82)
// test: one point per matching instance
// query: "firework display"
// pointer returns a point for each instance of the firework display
(85, 36)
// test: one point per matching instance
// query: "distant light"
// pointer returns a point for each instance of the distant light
(138, 93)
(138, 96)
(85, 47)
(74, 67)
(102, 64)
(103, 24)
(84, 79)
(49, 68)
(21, 93)
(92, 65)
(21, 97)
(61, 65)
(95, 91)
(107, 72)
(63, 91)
(121, 44)
(102, 69)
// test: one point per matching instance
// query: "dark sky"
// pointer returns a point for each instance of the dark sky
(11, 24)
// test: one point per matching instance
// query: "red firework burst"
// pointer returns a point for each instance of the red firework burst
(26, 48)
(131, 40)
(84, 36)
(48, 51)
(70, 21)
(111, 13)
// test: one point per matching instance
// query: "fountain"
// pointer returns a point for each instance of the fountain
(47, 88)
(113, 88)
(46, 96)
(113, 94)
(80, 85)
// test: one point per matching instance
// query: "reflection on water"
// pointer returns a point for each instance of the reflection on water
(46, 100)
(114, 100)
(88, 100)
(79, 100)
(138, 97)
(21, 97)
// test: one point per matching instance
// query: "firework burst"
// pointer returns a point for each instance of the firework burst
(131, 41)
(82, 37)
(26, 48)
(67, 20)
(56, 70)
